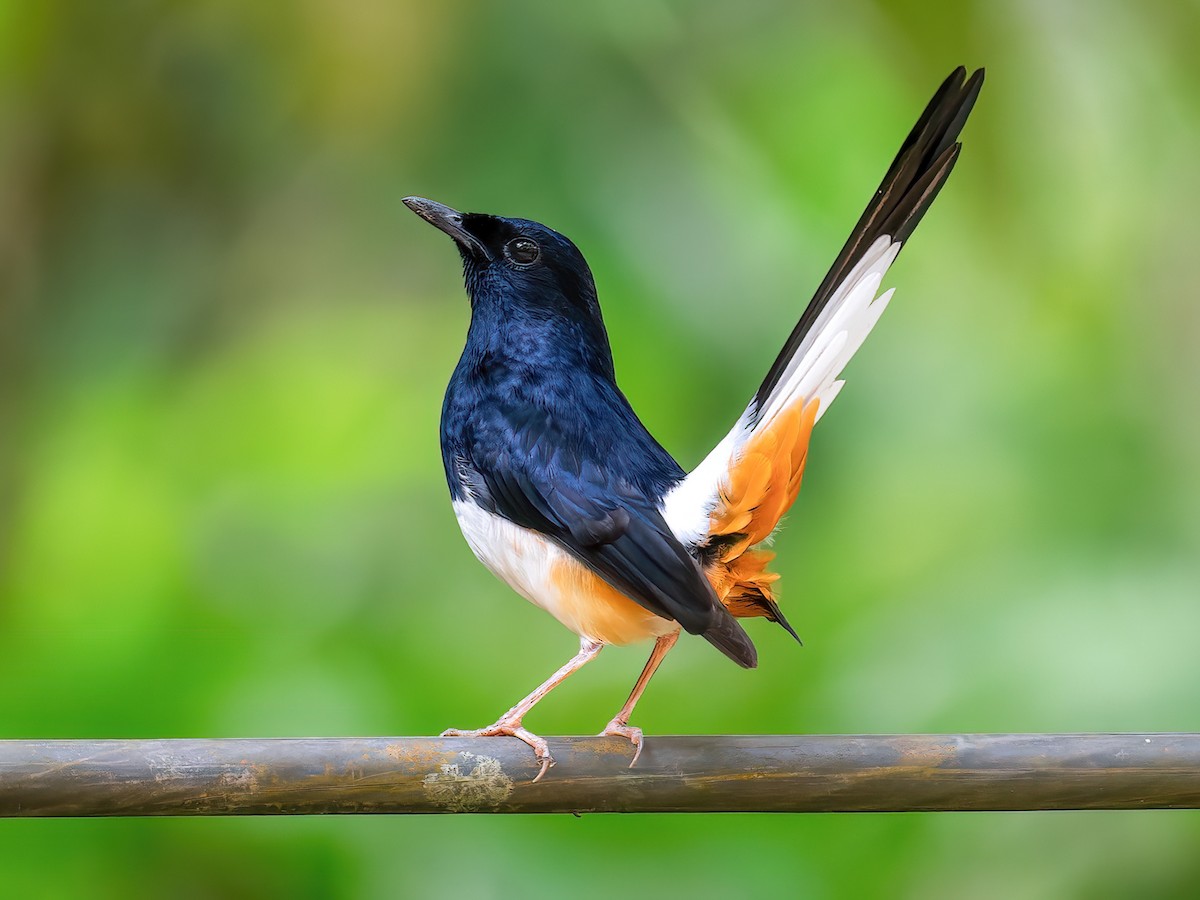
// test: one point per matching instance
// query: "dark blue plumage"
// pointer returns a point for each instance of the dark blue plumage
(537, 337)
(535, 429)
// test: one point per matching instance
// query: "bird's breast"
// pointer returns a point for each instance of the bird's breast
(552, 579)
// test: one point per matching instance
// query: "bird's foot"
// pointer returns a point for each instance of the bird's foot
(617, 728)
(512, 728)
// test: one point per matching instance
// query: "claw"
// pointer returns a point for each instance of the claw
(617, 728)
(510, 722)
(540, 749)
(512, 728)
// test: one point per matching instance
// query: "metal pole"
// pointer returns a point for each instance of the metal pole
(768, 773)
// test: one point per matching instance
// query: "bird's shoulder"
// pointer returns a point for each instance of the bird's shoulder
(557, 427)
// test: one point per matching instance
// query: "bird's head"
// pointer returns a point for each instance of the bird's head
(515, 262)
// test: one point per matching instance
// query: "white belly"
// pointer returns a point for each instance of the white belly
(550, 578)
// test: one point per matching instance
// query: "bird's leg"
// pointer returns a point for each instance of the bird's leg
(510, 722)
(620, 726)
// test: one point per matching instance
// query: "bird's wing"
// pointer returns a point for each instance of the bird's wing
(737, 495)
(537, 479)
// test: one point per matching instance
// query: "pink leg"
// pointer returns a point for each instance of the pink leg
(620, 726)
(510, 722)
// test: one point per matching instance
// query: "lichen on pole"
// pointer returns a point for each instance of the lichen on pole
(765, 773)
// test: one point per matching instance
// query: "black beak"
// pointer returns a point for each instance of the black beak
(450, 221)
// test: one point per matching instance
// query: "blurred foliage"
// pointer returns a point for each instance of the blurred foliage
(223, 343)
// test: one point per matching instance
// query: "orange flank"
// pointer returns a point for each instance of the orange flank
(761, 486)
(592, 608)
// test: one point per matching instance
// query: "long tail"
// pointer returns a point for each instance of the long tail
(735, 498)
(918, 172)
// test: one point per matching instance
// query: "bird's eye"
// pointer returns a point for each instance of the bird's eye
(522, 251)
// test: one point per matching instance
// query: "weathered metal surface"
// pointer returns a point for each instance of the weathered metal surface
(779, 773)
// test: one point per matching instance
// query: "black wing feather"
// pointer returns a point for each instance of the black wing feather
(641, 559)
(611, 528)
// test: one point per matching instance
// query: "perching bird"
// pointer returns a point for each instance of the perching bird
(562, 492)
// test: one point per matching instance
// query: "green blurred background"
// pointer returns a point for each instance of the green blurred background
(223, 344)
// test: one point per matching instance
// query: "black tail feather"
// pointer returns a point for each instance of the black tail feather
(912, 182)
(781, 620)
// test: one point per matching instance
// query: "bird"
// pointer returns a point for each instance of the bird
(563, 493)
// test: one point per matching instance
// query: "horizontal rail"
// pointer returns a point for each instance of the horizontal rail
(769, 773)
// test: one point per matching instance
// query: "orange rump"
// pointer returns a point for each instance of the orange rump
(759, 489)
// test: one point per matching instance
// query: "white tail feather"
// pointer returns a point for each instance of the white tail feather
(827, 397)
(812, 373)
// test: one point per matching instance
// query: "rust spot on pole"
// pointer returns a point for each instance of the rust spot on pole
(477, 784)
